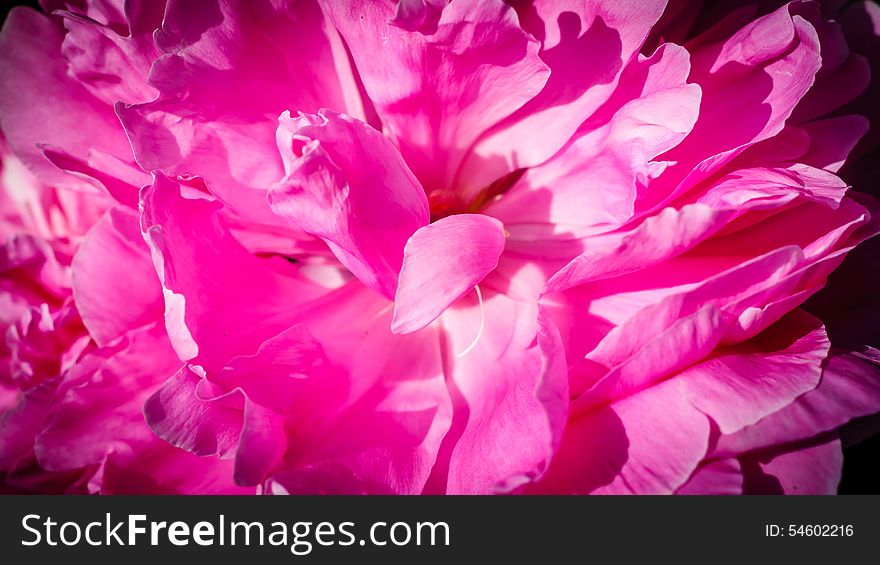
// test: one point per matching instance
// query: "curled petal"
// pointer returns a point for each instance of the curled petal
(441, 263)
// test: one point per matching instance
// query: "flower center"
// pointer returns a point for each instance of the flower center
(444, 202)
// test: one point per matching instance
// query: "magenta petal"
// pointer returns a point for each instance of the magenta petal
(348, 185)
(811, 469)
(419, 15)
(109, 60)
(509, 390)
(587, 44)
(718, 476)
(442, 262)
(232, 57)
(220, 301)
(740, 385)
(64, 114)
(165, 469)
(21, 424)
(669, 233)
(224, 79)
(436, 94)
(649, 443)
(760, 74)
(291, 375)
(202, 426)
(261, 446)
(120, 179)
(832, 140)
(849, 389)
(113, 261)
(103, 414)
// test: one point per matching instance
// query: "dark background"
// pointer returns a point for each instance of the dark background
(861, 464)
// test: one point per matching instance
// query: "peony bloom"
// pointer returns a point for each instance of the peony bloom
(431, 246)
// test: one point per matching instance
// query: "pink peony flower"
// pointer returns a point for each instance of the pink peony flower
(430, 246)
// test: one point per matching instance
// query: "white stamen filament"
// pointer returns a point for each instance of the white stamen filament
(473, 344)
(380, 313)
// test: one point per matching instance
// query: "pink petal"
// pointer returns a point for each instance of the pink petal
(596, 179)
(436, 94)
(442, 262)
(103, 414)
(220, 301)
(813, 469)
(112, 65)
(657, 349)
(374, 423)
(738, 386)
(650, 443)
(509, 390)
(202, 426)
(586, 44)
(718, 476)
(112, 262)
(41, 104)
(120, 179)
(223, 82)
(760, 73)
(348, 185)
(849, 389)
(668, 234)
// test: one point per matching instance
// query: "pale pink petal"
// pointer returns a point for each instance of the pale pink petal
(442, 262)
(348, 185)
(668, 234)
(351, 420)
(371, 418)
